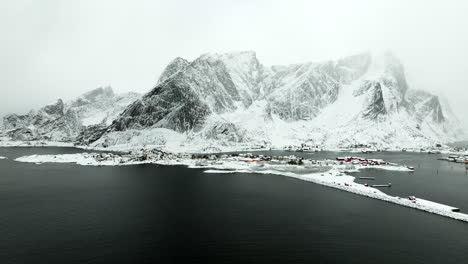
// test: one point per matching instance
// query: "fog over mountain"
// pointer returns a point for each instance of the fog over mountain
(62, 49)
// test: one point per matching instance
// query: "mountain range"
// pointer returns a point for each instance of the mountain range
(227, 101)
(64, 121)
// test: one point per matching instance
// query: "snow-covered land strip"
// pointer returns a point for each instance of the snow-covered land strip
(325, 172)
(385, 167)
(63, 158)
(220, 171)
(79, 158)
(424, 205)
(12, 143)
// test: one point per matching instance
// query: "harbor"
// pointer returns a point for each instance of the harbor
(456, 159)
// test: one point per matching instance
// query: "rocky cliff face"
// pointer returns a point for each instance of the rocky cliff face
(64, 121)
(175, 66)
(172, 104)
(427, 107)
(51, 122)
(219, 83)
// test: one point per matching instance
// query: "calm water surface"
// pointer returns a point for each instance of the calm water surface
(65, 213)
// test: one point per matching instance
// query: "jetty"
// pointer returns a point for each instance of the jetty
(437, 205)
(381, 185)
(456, 159)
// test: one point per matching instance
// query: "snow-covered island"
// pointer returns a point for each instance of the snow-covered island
(331, 173)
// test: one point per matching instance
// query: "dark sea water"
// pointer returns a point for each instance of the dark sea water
(65, 213)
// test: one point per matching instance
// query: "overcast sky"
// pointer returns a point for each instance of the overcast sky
(60, 49)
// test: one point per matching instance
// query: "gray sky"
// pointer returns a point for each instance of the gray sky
(51, 49)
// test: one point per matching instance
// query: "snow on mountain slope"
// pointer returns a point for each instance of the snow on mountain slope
(247, 74)
(299, 92)
(172, 68)
(229, 100)
(101, 106)
(64, 121)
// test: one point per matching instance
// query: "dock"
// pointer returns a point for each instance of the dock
(381, 185)
(456, 159)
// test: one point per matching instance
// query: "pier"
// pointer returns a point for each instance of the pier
(381, 185)
(367, 178)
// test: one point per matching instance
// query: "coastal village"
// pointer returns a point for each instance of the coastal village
(147, 156)
(456, 154)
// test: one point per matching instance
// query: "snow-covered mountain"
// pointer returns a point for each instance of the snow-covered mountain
(227, 100)
(230, 101)
(64, 121)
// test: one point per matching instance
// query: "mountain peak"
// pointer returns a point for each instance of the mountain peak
(387, 58)
(98, 92)
(245, 55)
(55, 109)
(172, 68)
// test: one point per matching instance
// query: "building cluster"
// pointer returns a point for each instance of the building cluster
(364, 161)
(303, 148)
(348, 163)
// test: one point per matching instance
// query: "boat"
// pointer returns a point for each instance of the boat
(381, 185)
(452, 158)
(367, 178)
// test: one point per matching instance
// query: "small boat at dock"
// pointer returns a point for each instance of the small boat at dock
(381, 185)
(456, 159)
(367, 178)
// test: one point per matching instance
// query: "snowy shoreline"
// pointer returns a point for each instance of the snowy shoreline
(10, 144)
(227, 149)
(329, 173)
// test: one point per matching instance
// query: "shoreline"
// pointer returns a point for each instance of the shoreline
(226, 149)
